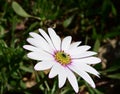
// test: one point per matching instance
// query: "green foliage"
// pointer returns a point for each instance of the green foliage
(96, 45)
(89, 21)
(68, 21)
(19, 10)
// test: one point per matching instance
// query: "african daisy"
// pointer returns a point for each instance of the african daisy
(62, 57)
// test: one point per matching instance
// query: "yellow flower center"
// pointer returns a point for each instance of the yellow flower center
(62, 58)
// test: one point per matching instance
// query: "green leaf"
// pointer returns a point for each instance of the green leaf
(19, 10)
(114, 10)
(68, 21)
(112, 69)
(27, 69)
(2, 31)
(22, 84)
(97, 91)
(112, 34)
(114, 76)
(96, 45)
(3, 44)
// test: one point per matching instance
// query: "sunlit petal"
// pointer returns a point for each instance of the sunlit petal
(31, 48)
(83, 74)
(55, 38)
(35, 35)
(83, 55)
(74, 45)
(86, 68)
(62, 77)
(40, 44)
(88, 60)
(41, 39)
(44, 65)
(55, 70)
(72, 79)
(44, 34)
(66, 43)
(40, 56)
(79, 50)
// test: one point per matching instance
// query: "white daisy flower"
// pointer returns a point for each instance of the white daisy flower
(62, 57)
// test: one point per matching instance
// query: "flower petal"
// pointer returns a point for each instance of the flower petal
(62, 77)
(88, 60)
(83, 55)
(66, 43)
(31, 48)
(41, 39)
(59, 70)
(40, 44)
(79, 50)
(54, 71)
(40, 56)
(74, 45)
(55, 38)
(45, 35)
(83, 74)
(44, 65)
(72, 79)
(35, 35)
(86, 68)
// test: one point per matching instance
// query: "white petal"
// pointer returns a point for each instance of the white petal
(83, 74)
(83, 55)
(66, 43)
(55, 38)
(59, 70)
(79, 50)
(74, 45)
(62, 77)
(40, 56)
(45, 35)
(43, 65)
(40, 44)
(72, 79)
(88, 60)
(35, 35)
(54, 71)
(86, 68)
(41, 40)
(31, 48)
(31, 41)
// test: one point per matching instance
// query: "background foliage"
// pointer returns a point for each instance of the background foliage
(94, 22)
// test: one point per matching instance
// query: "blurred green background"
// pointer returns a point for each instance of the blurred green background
(94, 22)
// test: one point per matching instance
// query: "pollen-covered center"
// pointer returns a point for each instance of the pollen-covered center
(62, 58)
